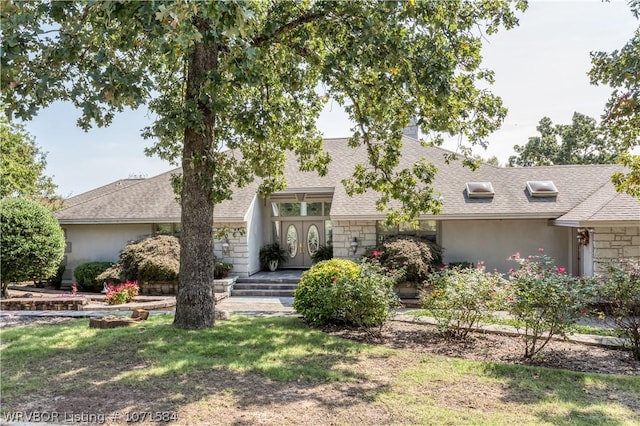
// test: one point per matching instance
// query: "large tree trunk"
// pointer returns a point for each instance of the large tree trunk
(195, 301)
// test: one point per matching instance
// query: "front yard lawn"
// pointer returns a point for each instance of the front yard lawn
(276, 370)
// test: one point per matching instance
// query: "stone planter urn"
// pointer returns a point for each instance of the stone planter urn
(273, 265)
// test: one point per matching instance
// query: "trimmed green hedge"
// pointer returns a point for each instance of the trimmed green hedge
(86, 275)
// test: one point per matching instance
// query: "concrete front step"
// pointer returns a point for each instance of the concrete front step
(262, 280)
(261, 293)
(267, 284)
(264, 286)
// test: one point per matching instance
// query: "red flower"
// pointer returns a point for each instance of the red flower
(561, 270)
(376, 253)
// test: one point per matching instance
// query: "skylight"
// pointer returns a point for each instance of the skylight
(542, 188)
(480, 190)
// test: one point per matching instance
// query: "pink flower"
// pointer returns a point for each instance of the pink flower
(376, 253)
(560, 270)
(511, 271)
(540, 250)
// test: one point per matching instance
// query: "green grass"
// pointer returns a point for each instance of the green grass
(221, 372)
(262, 345)
(576, 328)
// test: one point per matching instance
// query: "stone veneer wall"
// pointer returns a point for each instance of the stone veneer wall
(239, 254)
(44, 304)
(345, 231)
(613, 244)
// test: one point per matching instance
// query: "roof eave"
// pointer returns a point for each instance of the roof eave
(485, 216)
(596, 223)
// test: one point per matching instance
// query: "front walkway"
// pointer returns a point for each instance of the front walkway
(257, 305)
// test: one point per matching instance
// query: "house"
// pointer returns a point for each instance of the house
(572, 212)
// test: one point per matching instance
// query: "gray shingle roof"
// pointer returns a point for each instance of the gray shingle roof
(585, 192)
(604, 206)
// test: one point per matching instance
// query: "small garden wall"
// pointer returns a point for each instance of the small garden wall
(69, 303)
(163, 288)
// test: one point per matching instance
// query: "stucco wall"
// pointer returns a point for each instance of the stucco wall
(612, 244)
(345, 231)
(493, 241)
(256, 233)
(94, 243)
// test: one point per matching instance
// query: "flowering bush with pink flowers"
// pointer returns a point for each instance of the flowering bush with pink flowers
(458, 298)
(546, 299)
(122, 293)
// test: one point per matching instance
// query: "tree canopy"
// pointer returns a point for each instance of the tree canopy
(581, 142)
(22, 164)
(620, 69)
(234, 85)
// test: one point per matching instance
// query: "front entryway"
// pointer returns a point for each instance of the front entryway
(301, 239)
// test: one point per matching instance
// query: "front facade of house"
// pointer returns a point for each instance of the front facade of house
(570, 211)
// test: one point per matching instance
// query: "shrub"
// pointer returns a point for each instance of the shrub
(465, 264)
(417, 256)
(314, 297)
(342, 292)
(87, 275)
(112, 275)
(460, 297)
(620, 290)
(56, 280)
(221, 269)
(368, 299)
(32, 242)
(325, 252)
(152, 259)
(122, 293)
(545, 299)
(272, 253)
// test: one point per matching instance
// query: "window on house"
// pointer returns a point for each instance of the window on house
(174, 229)
(301, 209)
(328, 232)
(424, 228)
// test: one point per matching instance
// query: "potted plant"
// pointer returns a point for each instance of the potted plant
(325, 252)
(271, 255)
(222, 269)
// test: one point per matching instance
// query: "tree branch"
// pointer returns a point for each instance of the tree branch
(290, 26)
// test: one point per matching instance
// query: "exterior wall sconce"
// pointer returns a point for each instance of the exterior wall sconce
(354, 246)
(583, 237)
(226, 247)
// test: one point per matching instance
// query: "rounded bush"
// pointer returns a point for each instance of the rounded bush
(339, 291)
(152, 259)
(419, 257)
(86, 275)
(32, 241)
(314, 297)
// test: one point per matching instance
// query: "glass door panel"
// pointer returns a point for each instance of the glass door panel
(313, 240)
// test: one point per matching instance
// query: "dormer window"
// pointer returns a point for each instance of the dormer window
(480, 190)
(542, 188)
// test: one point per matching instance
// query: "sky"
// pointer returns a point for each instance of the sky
(540, 70)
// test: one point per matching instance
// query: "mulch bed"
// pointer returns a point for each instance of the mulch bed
(424, 338)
